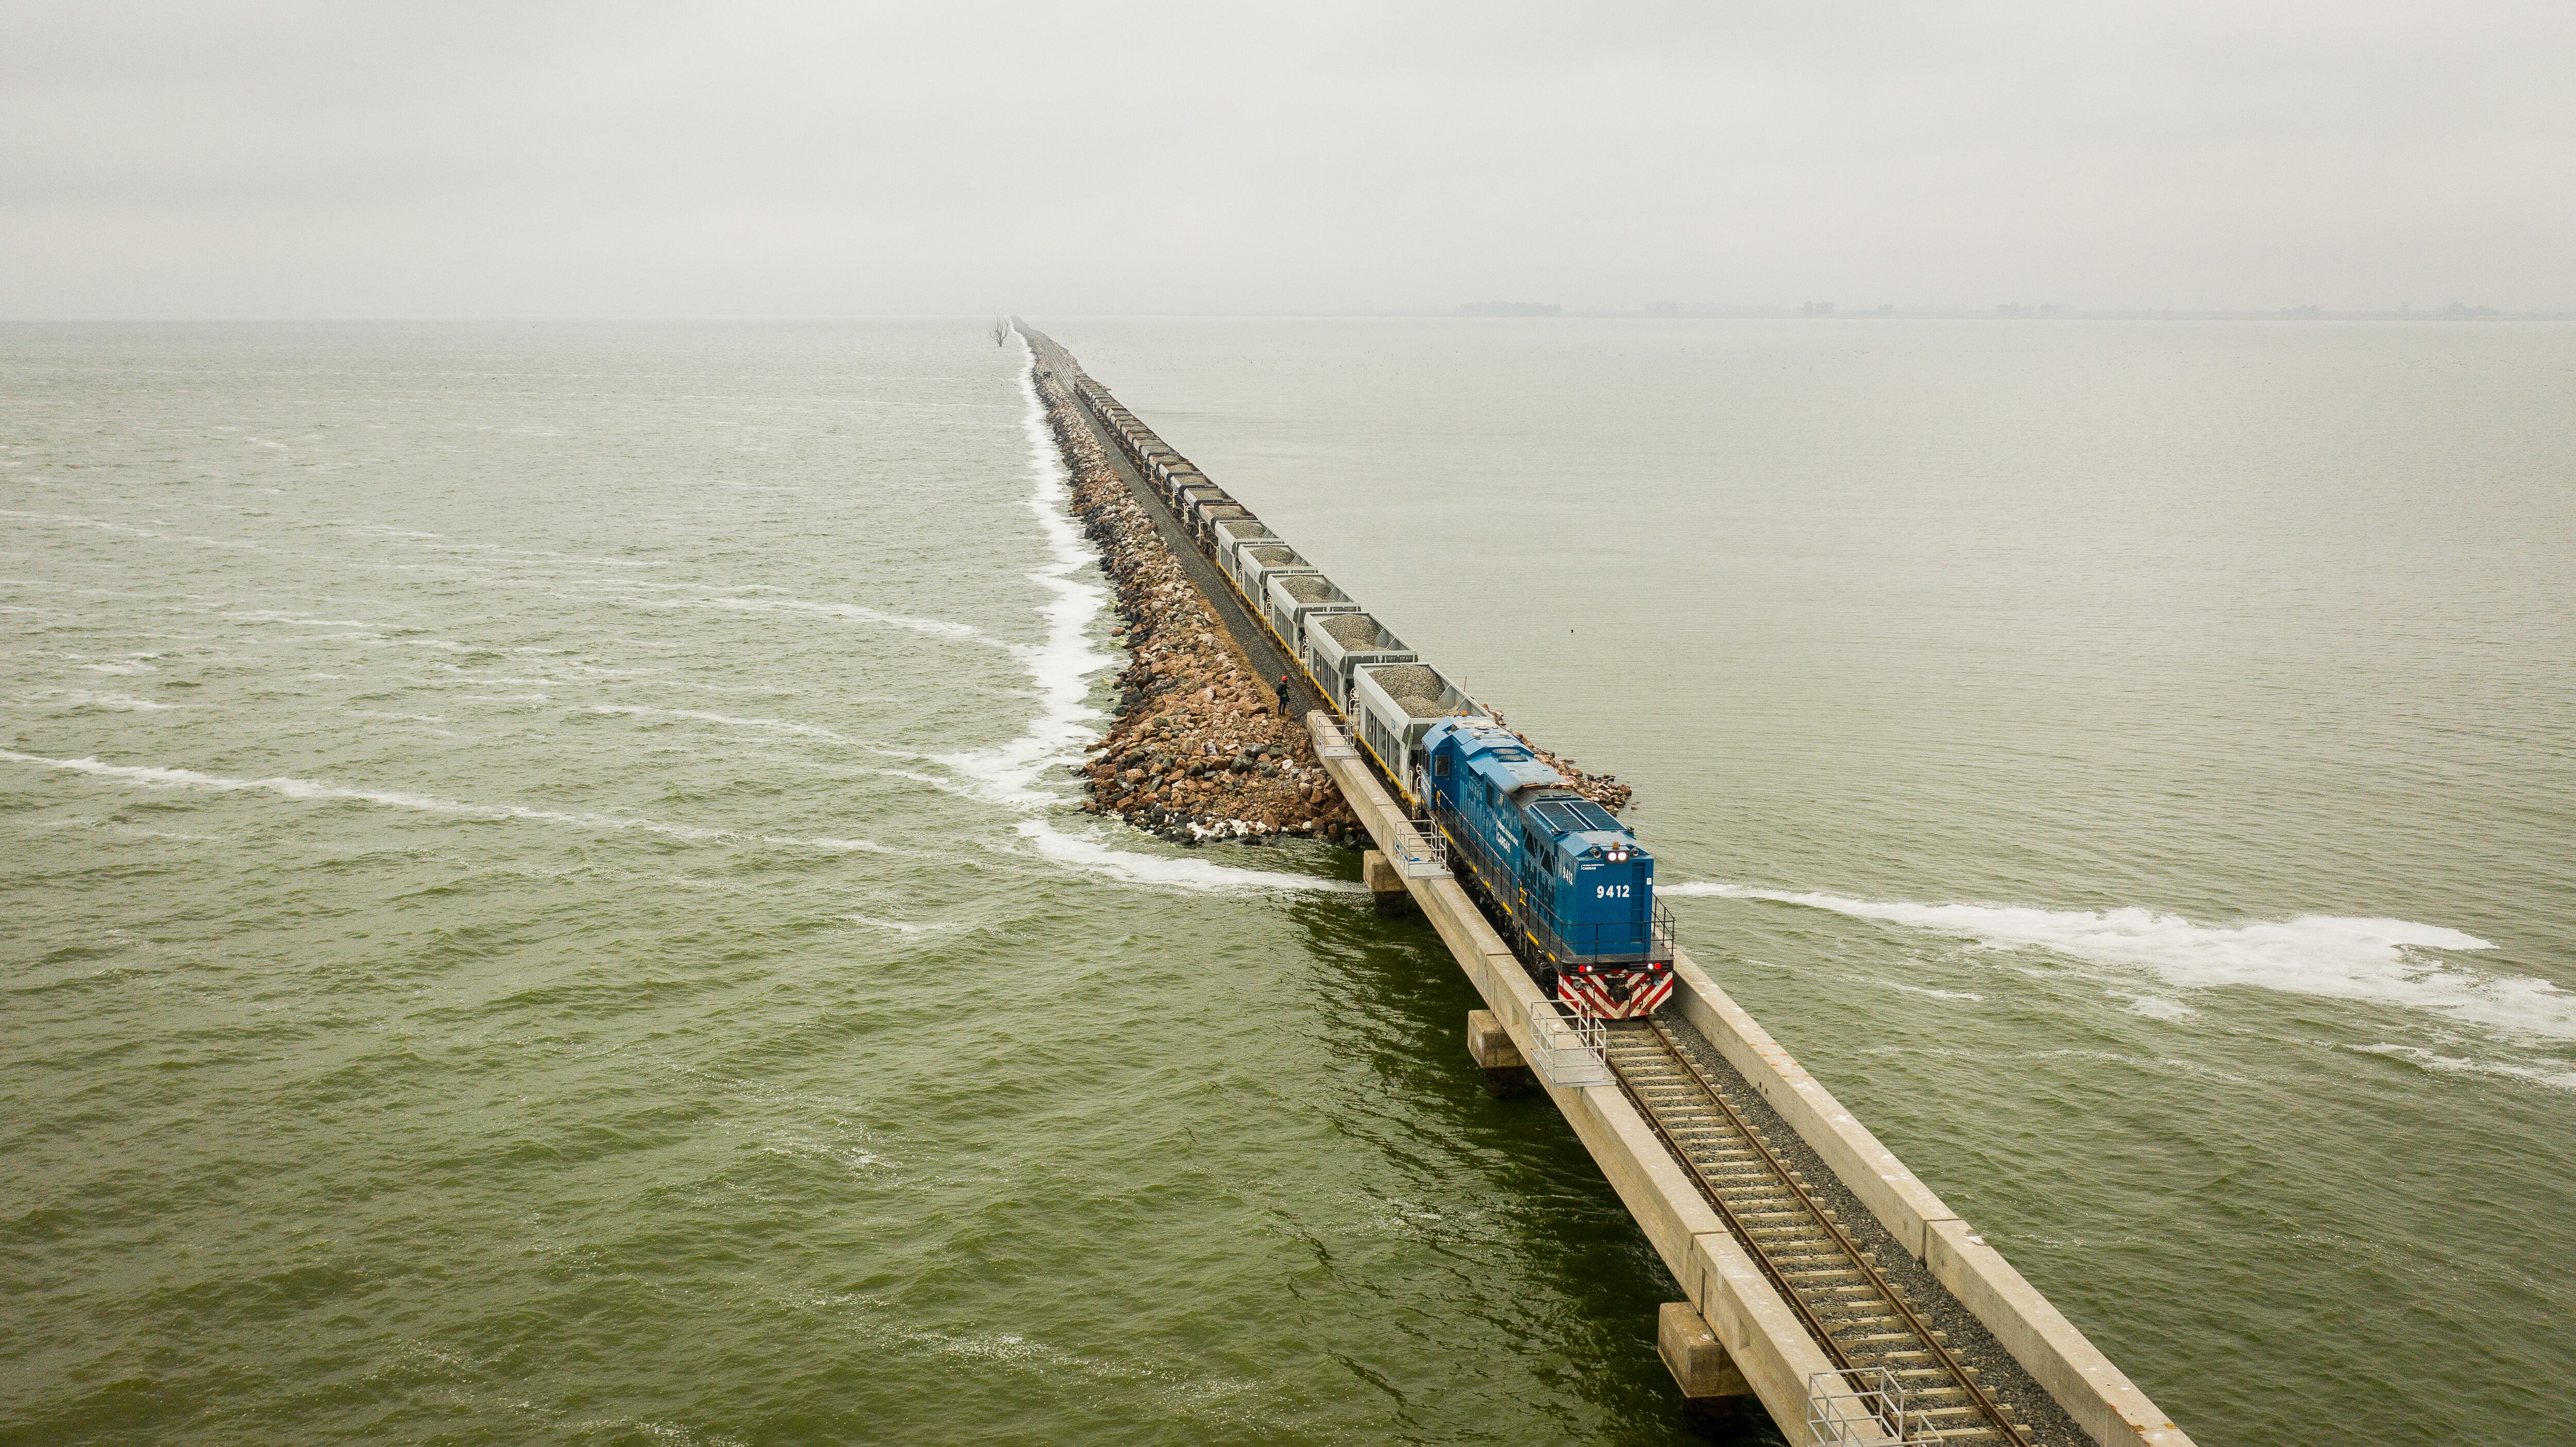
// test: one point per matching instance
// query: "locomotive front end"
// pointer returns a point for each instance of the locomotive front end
(1572, 889)
(1612, 949)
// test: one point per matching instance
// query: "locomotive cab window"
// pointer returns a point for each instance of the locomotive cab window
(1440, 766)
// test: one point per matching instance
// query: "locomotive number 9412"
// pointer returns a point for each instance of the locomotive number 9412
(1609, 891)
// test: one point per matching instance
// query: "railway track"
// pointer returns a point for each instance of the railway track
(1861, 1319)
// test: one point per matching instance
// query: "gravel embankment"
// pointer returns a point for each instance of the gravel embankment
(1199, 751)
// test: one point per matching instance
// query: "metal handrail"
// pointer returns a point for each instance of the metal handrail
(1420, 850)
(1571, 1050)
(1865, 1404)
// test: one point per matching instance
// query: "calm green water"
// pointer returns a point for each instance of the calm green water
(538, 909)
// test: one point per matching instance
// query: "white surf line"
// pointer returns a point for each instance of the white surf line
(1062, 666)
(2324, 956)
(1062, 669)
(778, 725)
(1094, 857)
(2461, 1065)
(937, 627)
(442, 542)
(793, 729)
(271, 615)
(129, 530)
(83, 698)
(150, 776)
(897, 926)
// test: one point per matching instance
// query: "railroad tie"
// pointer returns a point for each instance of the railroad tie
(1860, 1317)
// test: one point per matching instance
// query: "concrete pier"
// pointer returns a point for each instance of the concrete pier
(1491, 1047)
(1708, 1377)
(1385, 884)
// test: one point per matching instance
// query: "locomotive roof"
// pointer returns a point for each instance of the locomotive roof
(1566, 812)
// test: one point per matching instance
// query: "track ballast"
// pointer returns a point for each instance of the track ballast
(1860, 1318)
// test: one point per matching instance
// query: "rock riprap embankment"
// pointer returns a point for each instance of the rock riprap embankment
(1199, 751)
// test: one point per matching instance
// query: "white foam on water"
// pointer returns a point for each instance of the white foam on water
(1929, 993)
(937, 627)
(1062, 666)
(152, 776)
(271, 615)
(2156, 1007)
(898, 926)
(777, 725)
(79, 521)
(830, 846)
(443, 543)
(2325, 956)
(929, 781)
(1199, 874)
(793, 729)
(2555, 1079)
(83, 698)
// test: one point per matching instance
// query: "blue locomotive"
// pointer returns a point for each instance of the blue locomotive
(1575, 889)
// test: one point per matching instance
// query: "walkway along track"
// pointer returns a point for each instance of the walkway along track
(1852, 1310)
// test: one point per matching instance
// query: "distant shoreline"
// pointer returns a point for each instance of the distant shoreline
(1697, 313)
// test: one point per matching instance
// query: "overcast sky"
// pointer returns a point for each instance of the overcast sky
(530, 157)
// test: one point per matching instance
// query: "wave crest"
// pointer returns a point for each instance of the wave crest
(2336, 957)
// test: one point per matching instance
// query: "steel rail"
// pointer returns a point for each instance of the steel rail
(1986, 1405)
(1654, 1119)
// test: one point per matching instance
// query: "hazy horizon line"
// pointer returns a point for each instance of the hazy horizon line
(1690, 312)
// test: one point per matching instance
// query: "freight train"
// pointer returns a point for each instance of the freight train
(1567, 884)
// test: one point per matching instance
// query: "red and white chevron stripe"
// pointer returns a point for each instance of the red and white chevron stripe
(1590, 994)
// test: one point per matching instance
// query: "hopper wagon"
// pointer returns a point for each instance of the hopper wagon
(1255, 562)
(1292, 598)
(1336, 644)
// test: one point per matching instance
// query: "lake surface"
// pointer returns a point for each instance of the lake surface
(541, 907)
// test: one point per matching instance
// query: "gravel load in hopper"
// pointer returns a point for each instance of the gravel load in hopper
(1358, 631)
(1416, 688)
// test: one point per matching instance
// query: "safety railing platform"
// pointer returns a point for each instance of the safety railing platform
(1568, 1049)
